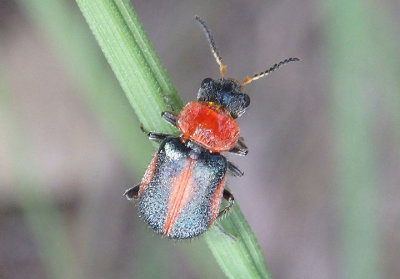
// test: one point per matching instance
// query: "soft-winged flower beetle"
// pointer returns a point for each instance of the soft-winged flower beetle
(181, 191)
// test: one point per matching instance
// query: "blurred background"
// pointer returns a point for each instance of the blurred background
(321, 186)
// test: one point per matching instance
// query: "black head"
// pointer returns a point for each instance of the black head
(225, 92)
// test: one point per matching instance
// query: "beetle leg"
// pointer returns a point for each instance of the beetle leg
(143, 129)
(222, 230)
(241, 143)
(132, 193)
(168, 99)
(234, 170)
(240, 148)
(170, 117)
(230, 198)
(154, 135)
(157, 136)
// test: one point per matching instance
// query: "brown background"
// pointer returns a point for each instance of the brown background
(289, 191)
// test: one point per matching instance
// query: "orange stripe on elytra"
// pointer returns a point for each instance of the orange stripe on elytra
(182, 188)
(148, 175)
(216, 201)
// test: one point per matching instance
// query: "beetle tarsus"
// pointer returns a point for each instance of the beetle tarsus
(240, 148)
(157, 136)
(153, 135)
(231, 200)
(234, 170)
(132, 193)
(170, 117)
(222, 230)
(169, 101)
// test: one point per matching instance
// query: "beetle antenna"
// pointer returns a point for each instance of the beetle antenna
(214, 50)
(265, 73)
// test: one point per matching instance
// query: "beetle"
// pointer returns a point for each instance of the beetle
(181, 191)
(182, 188)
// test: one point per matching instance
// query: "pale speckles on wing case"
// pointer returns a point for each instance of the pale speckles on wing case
(172, 153)
(195, 216)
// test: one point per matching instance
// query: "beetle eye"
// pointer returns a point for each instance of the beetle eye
(206, 82)
(246, 100)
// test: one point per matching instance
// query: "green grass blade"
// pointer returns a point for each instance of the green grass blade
(133, 60)
(72, 42)
(70, 37)
(240, 257)
(145, 82)
(353, 63)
